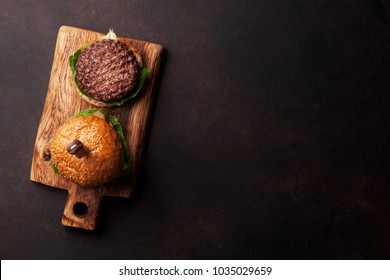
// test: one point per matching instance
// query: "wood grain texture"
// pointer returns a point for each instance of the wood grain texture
(63, 101)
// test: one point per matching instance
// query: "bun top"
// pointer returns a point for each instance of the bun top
(100, 158)
(107, 70)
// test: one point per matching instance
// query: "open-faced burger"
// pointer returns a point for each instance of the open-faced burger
(90, 149)
(108, 72)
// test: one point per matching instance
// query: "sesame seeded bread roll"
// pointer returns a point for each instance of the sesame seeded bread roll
(102, 158)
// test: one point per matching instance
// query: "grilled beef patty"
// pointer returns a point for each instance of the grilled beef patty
(107, 70)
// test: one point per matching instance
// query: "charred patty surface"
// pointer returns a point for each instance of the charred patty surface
(107, 70)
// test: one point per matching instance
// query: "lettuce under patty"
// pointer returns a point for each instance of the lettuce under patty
(143, 74)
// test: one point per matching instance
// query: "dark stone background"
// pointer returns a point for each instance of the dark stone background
(269, 138)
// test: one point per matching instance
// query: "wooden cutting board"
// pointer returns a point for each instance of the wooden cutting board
(62, 101)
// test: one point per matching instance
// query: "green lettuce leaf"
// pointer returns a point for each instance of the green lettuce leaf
(126, 153)
(110, 35)
(88, 112)
(143, 71)
(56, 171)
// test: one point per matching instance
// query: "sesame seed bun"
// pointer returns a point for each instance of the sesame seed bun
(102, 159)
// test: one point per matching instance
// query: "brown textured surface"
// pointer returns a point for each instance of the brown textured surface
(107, 70)
(270, 135)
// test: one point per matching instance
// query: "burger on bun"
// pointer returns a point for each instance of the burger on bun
(108, 72)
(90, 149)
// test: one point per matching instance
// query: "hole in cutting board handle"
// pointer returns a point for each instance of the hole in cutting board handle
(80, 209)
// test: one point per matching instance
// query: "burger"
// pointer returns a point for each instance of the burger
(90, 149)
(108, 72)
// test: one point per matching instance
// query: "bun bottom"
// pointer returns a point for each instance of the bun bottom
(102, 104)
(94, 102)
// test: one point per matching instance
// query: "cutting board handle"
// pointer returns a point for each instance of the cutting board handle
(82, 207)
